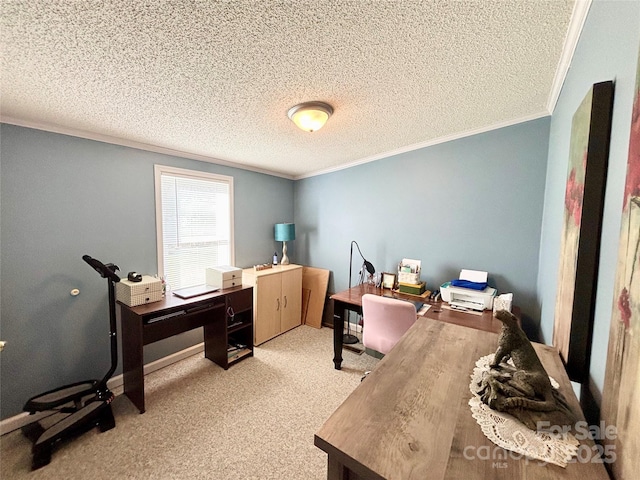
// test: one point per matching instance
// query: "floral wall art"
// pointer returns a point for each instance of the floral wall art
(580, 242)
(621, 394)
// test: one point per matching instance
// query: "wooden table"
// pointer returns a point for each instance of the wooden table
(410, 418)
(351, 300)
(170, 316)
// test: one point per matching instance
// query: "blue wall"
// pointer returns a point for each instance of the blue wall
(471, 203)
(63, 197)
(607, 50)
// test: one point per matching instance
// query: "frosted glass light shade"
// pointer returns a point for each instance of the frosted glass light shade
(310, 116)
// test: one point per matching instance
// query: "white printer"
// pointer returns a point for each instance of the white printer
(468, 298)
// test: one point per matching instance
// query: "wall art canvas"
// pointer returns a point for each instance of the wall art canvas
(621, 394)
(580, 241)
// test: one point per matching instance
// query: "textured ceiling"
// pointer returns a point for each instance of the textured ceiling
(213, 80)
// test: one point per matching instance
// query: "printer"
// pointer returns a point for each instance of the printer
(469, 298)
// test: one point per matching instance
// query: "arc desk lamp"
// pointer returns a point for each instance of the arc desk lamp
(348, 338)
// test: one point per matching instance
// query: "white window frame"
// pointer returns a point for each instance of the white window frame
(159, 170)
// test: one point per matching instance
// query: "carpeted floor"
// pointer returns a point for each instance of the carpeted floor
(254, 421)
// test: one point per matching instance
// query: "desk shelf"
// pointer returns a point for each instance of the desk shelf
(235, 327)
(226, 317)
(239, 308)
(241, 354)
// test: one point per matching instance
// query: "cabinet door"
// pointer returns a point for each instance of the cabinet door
(291, 299)
(268, 306)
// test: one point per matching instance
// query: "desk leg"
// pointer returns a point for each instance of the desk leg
(339, 311)
(215, 337)
(336, 470)
(132, 368)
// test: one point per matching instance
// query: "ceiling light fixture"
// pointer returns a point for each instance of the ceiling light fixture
(310, 116)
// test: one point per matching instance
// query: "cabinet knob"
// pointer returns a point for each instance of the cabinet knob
(277, 304)
(285, 301)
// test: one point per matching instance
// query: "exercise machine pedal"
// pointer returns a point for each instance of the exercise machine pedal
(94, 414)
(60, 396)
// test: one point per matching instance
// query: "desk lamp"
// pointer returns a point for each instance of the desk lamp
(366, 265)
(285, 232)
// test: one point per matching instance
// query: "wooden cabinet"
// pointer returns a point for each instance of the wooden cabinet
(277, 300)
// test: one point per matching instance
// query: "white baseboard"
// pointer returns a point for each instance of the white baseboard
(18, 421)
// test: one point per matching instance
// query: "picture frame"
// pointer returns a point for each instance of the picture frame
(388, 280)
(583, 208)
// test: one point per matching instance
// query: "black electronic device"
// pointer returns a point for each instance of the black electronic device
(134, 277)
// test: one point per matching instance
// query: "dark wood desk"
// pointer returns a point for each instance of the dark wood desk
(351, 300)
(410, 418)
(222, 314)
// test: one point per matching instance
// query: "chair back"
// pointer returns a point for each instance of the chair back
(385, 320)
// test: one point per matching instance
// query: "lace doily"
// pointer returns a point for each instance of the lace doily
(507, 432)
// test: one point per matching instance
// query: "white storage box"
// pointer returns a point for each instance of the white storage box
(148, 290)
(409, 271)
(406, 277)
(224, 276)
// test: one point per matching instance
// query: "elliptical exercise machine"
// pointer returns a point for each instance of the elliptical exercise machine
(86, 404)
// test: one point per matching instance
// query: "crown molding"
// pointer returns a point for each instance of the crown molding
(98, 137)
(429, 143)
(578, 18)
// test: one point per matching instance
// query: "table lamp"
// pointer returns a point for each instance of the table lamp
(348, 337)
(366, 265)
(285, 232)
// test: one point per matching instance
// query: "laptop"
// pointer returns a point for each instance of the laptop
(190, 292)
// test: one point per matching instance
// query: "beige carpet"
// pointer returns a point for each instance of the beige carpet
(254, 421)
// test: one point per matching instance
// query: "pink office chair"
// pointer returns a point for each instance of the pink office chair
(385, 321)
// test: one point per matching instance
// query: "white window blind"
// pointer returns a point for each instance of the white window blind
(194, 221)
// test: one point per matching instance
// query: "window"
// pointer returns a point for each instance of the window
(194, 220)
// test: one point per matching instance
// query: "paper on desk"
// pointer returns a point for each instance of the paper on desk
(503, 302)
(474, 276)
(462, 310)
(413, 264)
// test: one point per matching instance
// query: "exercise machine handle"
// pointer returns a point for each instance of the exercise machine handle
(105, 271)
